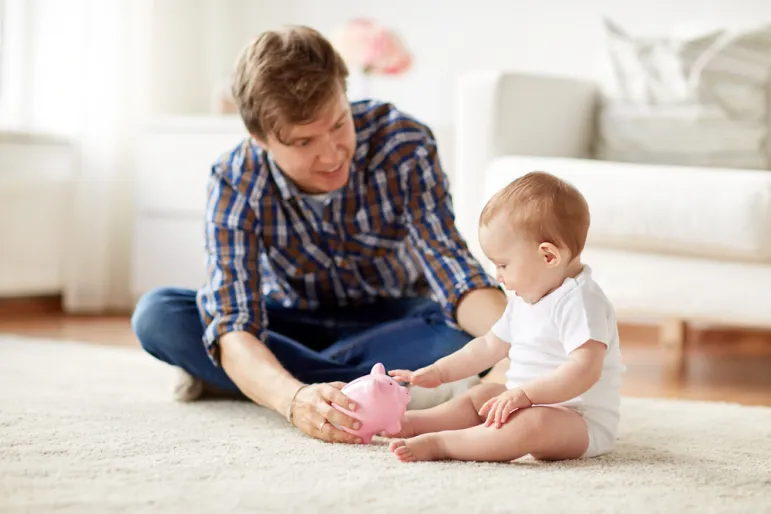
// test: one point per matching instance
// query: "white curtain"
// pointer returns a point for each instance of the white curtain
(85, 76)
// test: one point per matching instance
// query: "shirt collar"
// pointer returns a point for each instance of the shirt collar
(287, 188)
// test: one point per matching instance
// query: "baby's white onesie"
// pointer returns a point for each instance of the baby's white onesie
(543, 334)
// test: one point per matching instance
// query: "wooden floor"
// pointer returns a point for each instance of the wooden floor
(722, 365)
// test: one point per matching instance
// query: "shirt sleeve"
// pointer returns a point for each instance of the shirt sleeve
(447, 263)
(580, 319)
(230, 299)
(502, 327)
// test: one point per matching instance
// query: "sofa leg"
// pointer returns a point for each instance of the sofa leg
(672, 338)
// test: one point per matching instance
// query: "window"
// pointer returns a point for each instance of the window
(2, 46)
(12, 44)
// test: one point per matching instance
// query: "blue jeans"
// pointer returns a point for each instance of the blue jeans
(327, 345)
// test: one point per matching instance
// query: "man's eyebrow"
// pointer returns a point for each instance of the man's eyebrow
(293, 140)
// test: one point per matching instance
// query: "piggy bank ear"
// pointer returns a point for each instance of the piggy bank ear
(378, 369)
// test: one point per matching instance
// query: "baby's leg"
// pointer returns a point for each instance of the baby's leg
(548, 433)
(455, 414)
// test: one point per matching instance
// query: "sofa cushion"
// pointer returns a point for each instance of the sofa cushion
(700, 101)
(711, 212)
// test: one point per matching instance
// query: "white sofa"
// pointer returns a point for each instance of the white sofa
(670, 243)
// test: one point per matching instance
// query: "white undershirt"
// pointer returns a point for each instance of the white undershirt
(318, 201)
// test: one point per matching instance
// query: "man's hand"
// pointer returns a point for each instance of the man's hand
(258, 373)
(312, 412)
(424, 377)
(499, 409)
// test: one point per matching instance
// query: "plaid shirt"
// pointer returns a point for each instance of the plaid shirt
(389, 233)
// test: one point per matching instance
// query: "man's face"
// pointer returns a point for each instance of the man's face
(317, 156)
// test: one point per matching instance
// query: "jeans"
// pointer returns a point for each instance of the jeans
(327, 345)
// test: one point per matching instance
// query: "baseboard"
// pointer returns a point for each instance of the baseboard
(15, 307)
(85, 303)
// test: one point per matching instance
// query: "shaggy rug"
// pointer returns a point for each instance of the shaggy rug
(87, 429)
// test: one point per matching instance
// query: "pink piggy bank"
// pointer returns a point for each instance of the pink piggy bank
(380, 403)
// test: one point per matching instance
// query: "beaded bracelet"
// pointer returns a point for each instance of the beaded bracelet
(290, 410)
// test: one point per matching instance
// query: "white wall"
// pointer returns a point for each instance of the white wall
(549, 36)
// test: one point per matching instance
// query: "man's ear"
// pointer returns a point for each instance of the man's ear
(259, 142)
(550, 254)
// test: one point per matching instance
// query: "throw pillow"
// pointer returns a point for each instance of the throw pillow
(702, 101)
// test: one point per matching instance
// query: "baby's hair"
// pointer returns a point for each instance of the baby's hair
(544, 208)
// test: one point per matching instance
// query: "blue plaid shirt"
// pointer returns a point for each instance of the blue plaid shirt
(389, 233)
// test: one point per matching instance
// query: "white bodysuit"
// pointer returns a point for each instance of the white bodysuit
(543, 334)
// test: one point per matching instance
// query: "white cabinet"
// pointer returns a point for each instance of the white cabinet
(174, 162)
(36, 185)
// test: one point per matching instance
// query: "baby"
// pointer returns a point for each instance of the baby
(562, 393)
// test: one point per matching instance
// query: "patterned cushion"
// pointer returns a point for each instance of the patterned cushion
(702, 101)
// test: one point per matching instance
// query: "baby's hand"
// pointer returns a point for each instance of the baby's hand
(499, 409)
(424, 377)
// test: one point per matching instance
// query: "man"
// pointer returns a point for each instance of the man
(331, 247)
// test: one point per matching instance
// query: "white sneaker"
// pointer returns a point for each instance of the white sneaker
(425, 398)
(187, 388)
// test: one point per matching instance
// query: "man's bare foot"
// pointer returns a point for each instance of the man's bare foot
(424, 447)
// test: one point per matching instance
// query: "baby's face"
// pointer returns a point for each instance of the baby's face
(523, 266)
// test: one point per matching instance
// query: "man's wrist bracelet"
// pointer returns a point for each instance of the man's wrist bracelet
(290, 410)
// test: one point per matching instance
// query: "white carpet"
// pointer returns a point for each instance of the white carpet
(92, 429)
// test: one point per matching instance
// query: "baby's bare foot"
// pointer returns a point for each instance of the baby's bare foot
(424, 447)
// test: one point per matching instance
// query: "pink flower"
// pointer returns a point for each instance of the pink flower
(371, 48)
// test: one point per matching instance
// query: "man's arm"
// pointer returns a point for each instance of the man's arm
(479, 309)
(256, 371)
(467, 292)
(233, 309)
(231, 305)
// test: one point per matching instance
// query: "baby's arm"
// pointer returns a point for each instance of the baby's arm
(476, 356)
(575, 377)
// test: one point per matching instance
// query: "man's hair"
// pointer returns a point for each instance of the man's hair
(544, 208)
(285, 77)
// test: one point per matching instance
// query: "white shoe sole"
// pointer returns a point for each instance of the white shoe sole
(187, 388)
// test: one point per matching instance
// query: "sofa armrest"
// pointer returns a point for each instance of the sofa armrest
(505, 113)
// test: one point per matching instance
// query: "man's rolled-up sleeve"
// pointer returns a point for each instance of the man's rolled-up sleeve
(230, 299)
(448, 265)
